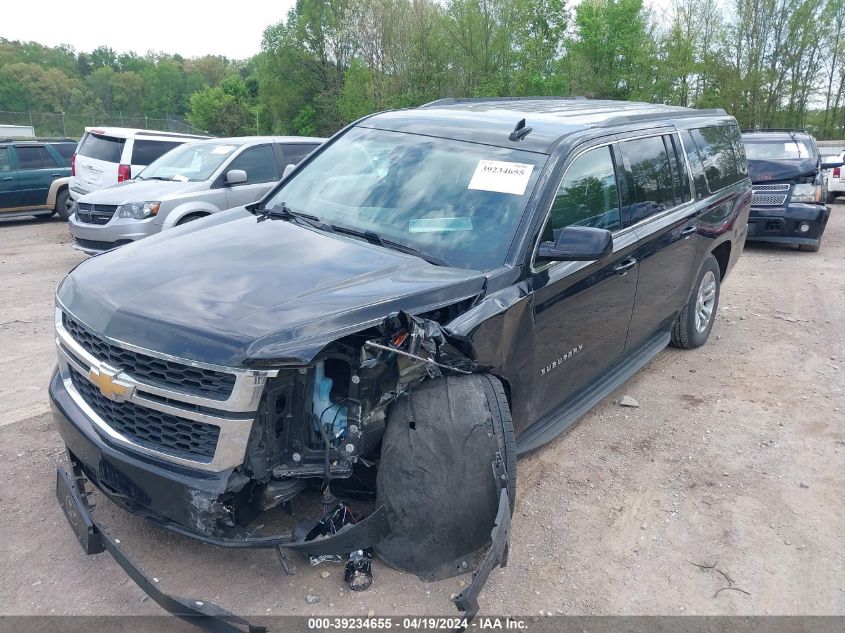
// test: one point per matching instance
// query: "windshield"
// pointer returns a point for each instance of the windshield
(192, 162)
(455, 201)
(776, 150)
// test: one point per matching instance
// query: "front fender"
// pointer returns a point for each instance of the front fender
(172, 217)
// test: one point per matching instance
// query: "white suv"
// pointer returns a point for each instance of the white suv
(106, 156)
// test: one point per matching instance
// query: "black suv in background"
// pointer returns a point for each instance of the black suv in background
(431, 293)
(788, 205)
(34, 175)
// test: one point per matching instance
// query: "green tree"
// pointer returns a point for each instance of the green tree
(613, 49)
(224, 110)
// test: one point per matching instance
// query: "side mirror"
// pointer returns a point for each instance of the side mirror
(833, 163)
(235, 176)
(577, 243)
(288, 169)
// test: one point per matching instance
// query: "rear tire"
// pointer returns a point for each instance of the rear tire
(810, 248)
(436, 477)
(695, 322)
(62, 205)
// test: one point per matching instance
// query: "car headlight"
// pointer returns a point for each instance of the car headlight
(806, 193)
(138, 210)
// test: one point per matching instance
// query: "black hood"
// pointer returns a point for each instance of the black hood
(762, 171)
(233, 287)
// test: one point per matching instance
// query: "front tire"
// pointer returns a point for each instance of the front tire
(436, 477)
(694, 323)
(62, 205)
(810, 248)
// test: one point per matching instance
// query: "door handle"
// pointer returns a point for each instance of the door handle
(687, 232)
(9, 178)
(624, 266)
(56, 175)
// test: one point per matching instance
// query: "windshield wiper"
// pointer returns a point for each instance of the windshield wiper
(284, 212)
(374, 238)
(155, 178)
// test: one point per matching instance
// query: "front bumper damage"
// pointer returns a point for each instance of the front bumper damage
(781, 225)
(70, 492)
(95, 539)
(158, 492)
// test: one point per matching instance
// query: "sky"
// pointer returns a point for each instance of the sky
(192, 29)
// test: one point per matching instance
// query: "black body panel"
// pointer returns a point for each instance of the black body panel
(241, 289)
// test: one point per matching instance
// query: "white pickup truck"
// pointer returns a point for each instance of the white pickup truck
(834, 179)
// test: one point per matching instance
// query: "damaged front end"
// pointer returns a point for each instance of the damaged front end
(315, 445)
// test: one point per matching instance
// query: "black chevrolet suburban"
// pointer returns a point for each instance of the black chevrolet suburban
(788, 203)
(430, 294)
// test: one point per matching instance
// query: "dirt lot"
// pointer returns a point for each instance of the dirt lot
(736, 457)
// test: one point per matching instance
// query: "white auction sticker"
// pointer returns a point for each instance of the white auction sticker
(222, 149)
(500, 176)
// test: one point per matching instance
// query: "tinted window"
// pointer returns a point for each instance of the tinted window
(65, 150)
(739, 152)
(650, 187)
(587, 195)
(5, 161)
(258, 163)
(716, 148)
(34, 158)
(100, 147)
(295, 153)
(679, 168)
(145, 152)
(695, 163)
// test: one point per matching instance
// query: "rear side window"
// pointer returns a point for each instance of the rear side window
(679, 167)
(145, 152)
(5, 161)
(34, 158)
(650, 186)
(258, 163)
(587, 195)
(695, 163)
(65, 150)
(722, 166)
(99, 147)
(293, 154)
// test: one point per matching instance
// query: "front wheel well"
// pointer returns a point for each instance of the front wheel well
(722, 253)
(193, 215)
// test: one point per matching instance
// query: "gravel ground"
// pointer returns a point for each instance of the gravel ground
(734, 458)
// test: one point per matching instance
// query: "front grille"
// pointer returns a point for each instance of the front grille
(772, 187)
(149, 428)
(162, 373)
(95, 213)
(94, 244)
(767, 200)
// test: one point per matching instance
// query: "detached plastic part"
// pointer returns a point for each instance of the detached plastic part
(497, 555)
(73, 499)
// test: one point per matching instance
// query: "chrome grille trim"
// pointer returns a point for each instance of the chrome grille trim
(772, 187)
(234, 416)
(767, 200)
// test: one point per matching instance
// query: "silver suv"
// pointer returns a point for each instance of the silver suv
(187, 183)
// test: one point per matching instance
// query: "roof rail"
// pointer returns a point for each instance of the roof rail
(456, 100)
(669, 114)
(37, 139)
(793, 130)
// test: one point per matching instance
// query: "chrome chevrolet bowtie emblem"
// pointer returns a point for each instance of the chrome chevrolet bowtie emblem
(109, 387)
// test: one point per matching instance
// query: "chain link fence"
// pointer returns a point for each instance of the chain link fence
(72, 125)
